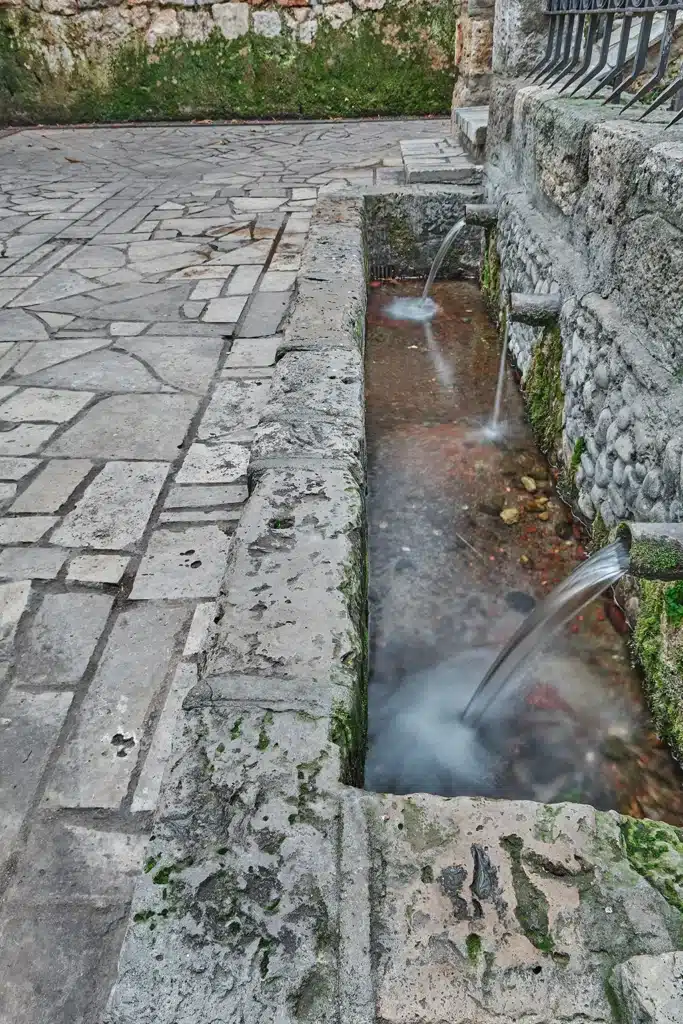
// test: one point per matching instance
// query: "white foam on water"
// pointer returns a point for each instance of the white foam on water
(407, 307)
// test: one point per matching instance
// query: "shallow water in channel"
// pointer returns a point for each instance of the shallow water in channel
(450, 581)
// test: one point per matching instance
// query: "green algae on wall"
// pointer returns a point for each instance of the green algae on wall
(544, 394)
(395, 61)
(655, 850)
(658, 645)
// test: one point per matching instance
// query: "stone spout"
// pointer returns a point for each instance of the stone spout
(481, 214)
(655, 550)
(535, 310)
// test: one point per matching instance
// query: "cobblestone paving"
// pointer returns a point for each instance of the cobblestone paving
(144, 275)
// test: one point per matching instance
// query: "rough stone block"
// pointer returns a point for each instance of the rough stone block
(97, 568)
(650, 988)
(217, 462)
(253, 352)
(235, 406)
(265, 314)
(317, 386)
(291, 603)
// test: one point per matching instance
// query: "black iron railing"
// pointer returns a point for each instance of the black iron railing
(582, 34)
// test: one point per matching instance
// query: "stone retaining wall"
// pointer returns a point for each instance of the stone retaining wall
(592, 208)
(143, 59)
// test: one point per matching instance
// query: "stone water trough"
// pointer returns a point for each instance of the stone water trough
(275, 889)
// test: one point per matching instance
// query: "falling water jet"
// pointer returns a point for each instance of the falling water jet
(425, 308)
(442, 368)
(585, 583)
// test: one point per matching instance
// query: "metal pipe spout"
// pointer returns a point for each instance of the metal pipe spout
(484, 215)
(655, 550)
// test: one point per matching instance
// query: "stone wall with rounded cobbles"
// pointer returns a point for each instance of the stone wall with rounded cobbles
(564, 226)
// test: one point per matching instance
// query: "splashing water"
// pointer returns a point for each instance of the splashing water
(424, 308)
(585, 583)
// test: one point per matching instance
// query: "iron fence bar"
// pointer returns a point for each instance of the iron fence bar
(664, 52)
(572, 60)
(593, 22)
(666, 94)
(621, 57)
(639, 59)
(678, 116)
(549, 46)
(602, 59)
(564, 55)
(558, 46)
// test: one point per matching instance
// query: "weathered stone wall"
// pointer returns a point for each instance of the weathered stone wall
(473, 53)
(592, 208)
(596, 213)
(140, 59)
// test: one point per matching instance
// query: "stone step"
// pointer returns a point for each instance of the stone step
(432, 161)
(472, 123)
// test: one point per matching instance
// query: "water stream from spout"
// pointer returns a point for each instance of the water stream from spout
(587, 582)
(494, 425)
(424, 308)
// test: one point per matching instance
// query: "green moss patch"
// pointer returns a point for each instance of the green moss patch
(532, 906)
(543, 388)
(655, 850)
(658, 644)
(490, 273)
(656, 559)
(397, 61)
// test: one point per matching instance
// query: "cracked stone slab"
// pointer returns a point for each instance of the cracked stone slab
(285, 609)
(25, 438)
(61, 638)
(96, 764)
(115, 508)
(129, 427)
(186, 563)
(29, 726)
(18, 325)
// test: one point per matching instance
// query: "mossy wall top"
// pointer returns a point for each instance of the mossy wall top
(89, 60)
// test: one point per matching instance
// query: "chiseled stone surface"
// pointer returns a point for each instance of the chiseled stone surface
(650, 988)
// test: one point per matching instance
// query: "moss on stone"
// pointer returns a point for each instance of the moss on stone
(473, 944)
(599, 533)
(531, 909)
(658, 646)
(655, 850)
(490, 273)
(543, 389)
(575, 462)
(655, 559)
(396, 61)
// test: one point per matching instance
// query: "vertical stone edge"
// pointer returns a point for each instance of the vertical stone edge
(356, 988)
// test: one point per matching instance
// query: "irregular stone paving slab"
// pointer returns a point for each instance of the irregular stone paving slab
(252, 352)
(53, 486)
(265, 314)
(96, 765)
(25, 529)
(219, 462)
(61, 638)
(165, 739)
(235, 406)
(97, 568)
(198, 495)
(15, 469)
(45, 404)
(25, 438)
(114, 511)
(62, 919)
(14, 599)
(29, 726)
(51, 353)
(31, 563)
(201, 624)
(129, 427)
(181, 564)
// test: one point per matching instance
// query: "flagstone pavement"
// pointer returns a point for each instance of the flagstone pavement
(144, 276)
